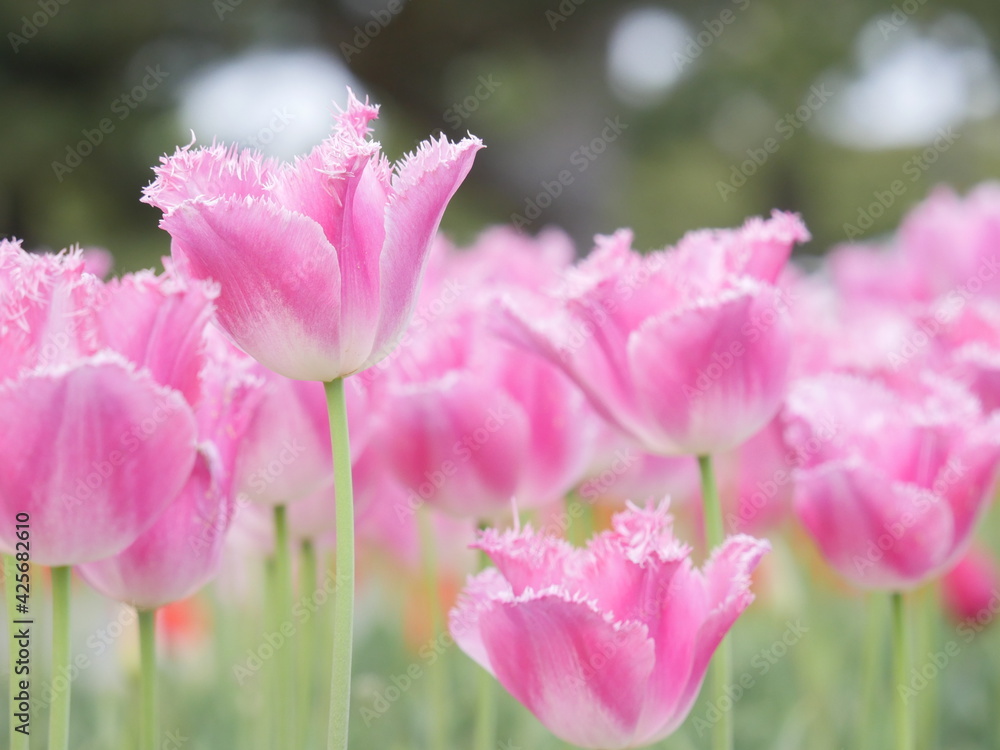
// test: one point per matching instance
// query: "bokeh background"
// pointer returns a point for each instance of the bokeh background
(596, 114)
(853, 96)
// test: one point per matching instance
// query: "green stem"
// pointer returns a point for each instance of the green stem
(486, 715)
(437, 678)
(309, 649)
(283, 612)
(59, 709)
(147, 651)
(710, 502)
(929, 609)
(901, 654)
(18, 741)
(870, 724)
(271, 688)
(722, 732)
(343, 632)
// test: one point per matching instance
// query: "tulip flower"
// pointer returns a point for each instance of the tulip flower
(98, 387)
(685, 350)
(98, 414)
(607, 645)
(181, 551)
(319, 260)
(972, 589)
(892, 497)
(319, 264)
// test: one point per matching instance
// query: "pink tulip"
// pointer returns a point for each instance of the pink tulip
(972, 589)
(892, 498)
(97, 384)
(181, 551)
(685, 350)
(607, 645)
(285, 454)
(468, 421)
(320, 260)
(98, 261)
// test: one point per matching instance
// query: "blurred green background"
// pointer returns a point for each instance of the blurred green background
(664, 117)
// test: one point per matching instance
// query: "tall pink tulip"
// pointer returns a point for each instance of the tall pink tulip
(319, 263)
(892, 498)
(319, 260)
(687, 349)
(97, 386)
(608, 645)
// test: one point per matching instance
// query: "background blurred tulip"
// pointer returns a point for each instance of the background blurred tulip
(687, 349)
(892, 499)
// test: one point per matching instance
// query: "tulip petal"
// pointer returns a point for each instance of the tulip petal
(179, 553)
(424, 183)
(279, 281)
(713, 374)
(210, 172)
(456, 443)
(94, 454)
(876, 532)
(158, 325)
(583, 676)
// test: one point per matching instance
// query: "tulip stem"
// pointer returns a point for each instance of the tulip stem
(18, 741)
(343, 632)
(283, 612)
(308, 650)
(722, 732)
(486, 717)
(271, 686)
(928, 609)
(437, 677)
(147, 658)
(59, 708)
(901, 657)
(873, 650)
